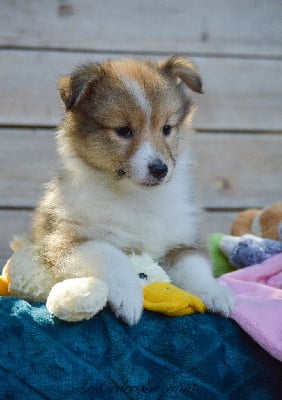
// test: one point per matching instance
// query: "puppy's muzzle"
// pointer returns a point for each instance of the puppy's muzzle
(158, 169)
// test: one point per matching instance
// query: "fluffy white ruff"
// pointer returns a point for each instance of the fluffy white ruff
(167, 214)
(193, 273)
(77, 299)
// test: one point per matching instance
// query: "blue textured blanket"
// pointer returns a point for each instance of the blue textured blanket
(201, 356)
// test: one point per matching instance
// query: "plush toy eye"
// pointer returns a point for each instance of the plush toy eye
(166, 130)
(142, 275)
(124, 132)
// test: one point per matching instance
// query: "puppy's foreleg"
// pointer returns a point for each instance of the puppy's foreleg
(192, 272)
(104, 261)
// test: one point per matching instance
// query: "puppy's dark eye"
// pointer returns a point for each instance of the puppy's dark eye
(124, 132)
(166, 130)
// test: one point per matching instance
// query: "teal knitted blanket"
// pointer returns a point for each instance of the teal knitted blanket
(200, 356)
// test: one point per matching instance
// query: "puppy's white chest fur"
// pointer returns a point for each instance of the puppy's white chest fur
(153, 220)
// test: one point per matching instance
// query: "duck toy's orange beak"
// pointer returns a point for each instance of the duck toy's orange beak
(165, 298)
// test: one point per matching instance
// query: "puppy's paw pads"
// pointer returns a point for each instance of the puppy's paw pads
(127, 304)
(218, 299)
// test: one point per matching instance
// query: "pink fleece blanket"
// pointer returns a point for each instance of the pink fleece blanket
(258, 307)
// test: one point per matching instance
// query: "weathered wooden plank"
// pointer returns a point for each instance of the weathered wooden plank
(27, 160)
(17, 222)
(239, 170)
(219, 221)
(239, 93)
(199, 26)
(12, 223)
(235, 170)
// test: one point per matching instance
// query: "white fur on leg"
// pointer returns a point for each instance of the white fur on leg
(77, 299)
(193, 273)
(112, 266)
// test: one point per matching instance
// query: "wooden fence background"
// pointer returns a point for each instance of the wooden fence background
(237, 46)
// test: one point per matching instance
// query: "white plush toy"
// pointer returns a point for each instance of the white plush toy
(81, 298)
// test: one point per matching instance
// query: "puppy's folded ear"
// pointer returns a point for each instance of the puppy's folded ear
(67, 91)
(75, 87)
(184, 69)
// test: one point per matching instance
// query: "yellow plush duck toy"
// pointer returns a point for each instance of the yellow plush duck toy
(159, 294)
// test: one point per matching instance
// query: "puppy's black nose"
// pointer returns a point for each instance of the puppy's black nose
(158, 169)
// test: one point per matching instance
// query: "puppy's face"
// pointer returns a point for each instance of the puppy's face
(124, 117)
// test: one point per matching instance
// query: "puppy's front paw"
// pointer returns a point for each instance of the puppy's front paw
(218, 299)
(127, 302)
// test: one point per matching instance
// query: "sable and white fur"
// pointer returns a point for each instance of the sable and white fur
(107, 203)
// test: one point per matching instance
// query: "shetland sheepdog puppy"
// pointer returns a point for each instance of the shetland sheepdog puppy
(126, 183)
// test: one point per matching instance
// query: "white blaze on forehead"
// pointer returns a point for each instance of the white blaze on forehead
(138, 93)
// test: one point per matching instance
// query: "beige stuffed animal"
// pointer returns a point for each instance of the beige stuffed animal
(81, 298)
(265, 223)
